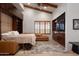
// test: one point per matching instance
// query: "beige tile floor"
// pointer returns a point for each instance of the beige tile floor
(46, 48)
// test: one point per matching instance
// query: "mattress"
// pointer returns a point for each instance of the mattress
(21, 38)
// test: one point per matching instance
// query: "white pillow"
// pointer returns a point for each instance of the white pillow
(11, 33)
(5, 34)
(15, 33)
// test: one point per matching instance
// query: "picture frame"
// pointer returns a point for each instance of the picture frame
(76, 24)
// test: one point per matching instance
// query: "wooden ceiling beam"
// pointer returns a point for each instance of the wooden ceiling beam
(7, 6)
(47, 4)
(36, 8)
(52, 5)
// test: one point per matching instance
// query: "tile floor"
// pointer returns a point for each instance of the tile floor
(46, 48)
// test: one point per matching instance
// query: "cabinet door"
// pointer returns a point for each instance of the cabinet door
(61, 39)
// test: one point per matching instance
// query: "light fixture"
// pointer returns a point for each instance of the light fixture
(45, 7)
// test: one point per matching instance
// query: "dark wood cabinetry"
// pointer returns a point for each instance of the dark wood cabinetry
(59, 37)
(17, 24)
(58, 29)
(0, 24)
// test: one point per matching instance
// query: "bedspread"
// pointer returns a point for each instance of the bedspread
(21, 38)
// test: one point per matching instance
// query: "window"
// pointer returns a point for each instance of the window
(42, 27)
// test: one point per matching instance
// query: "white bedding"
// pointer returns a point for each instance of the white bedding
(21, 38)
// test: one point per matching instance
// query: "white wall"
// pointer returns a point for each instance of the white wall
(30, 16)
(72, 12)
(61, 9)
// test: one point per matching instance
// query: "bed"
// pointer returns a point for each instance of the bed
(19, 38)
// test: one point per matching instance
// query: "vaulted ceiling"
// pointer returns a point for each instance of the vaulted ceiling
(43, 7)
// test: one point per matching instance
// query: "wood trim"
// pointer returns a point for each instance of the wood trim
(35, 8)
(0, 22)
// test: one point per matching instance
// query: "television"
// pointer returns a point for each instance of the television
(60, 27)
